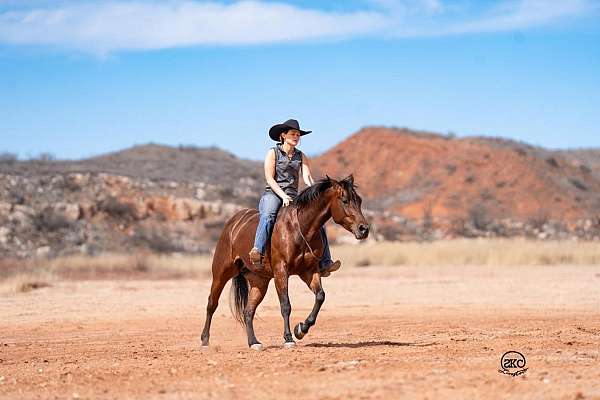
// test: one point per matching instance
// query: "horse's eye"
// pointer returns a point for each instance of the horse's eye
(345, 201)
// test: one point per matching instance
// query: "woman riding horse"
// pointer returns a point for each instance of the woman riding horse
(282, 169)
(298, 239)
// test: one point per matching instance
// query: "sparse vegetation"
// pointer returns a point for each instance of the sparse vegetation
(48, 220)
(159, 242)
(116, 209)
(552, 162)
(479, 216)
(30, 274)
(470, 252)
(578, 184)
(8, 158)
(45, 157)
(451, 169)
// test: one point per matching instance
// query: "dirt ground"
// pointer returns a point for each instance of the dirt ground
(384, 332)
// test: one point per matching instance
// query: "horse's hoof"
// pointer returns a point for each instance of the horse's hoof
(257, 346)
(289, 345)
(298, 331)
(204, 347)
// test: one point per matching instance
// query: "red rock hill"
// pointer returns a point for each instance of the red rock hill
(420, 175)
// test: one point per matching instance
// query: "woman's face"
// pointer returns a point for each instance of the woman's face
(291, 137)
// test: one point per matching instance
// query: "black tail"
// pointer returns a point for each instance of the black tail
(239, 297)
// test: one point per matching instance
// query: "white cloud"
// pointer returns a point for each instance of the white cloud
(521, 15)
(139, 25)
(107, 26)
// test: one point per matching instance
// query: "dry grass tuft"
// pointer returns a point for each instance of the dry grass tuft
(470, 252)
(26, 281)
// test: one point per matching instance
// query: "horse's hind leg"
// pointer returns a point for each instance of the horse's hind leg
(220, 278)
(258, 289)
(313, 280)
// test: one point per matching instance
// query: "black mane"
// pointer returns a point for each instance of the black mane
(312, 193)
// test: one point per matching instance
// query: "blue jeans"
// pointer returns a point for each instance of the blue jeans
(268, 206)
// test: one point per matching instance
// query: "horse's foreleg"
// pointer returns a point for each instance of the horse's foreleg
(281, 284)
(314, 283)
(258, 289)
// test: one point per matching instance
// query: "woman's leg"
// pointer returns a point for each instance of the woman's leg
(267, 208)
(326, 259)
(326, 264)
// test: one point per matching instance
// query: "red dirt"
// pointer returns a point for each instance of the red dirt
(383, 333)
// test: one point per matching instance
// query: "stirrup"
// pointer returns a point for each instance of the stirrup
(256, 258)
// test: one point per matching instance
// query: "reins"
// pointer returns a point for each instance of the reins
(304, 238)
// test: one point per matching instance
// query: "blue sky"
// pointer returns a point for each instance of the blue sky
(80, 78)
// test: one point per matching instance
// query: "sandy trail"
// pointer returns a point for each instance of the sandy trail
(384, 332)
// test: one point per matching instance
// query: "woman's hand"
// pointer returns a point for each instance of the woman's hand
(286, 200)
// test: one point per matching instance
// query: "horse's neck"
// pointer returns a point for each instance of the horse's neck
(312, 218)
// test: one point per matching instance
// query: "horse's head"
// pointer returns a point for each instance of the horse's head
(345, 206)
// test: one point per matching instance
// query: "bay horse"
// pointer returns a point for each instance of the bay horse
(295, 249)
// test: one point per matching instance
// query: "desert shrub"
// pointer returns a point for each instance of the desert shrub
(457, 226)
(158, 242)
(188, 147)
(427, 221)
(578, 184)
(226, 193)
(16, 196)
(390, 231)
(8, 158)
(116, 209)
(479, 216)
(45, 157)
(48, 220)
(363, 262)
(538, 220)
(552, 162)
(521, 152)
(68, 185)
(451, 169)
(486, 195)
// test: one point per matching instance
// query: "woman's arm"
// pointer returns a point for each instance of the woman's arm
(306, 175)
(270, 177)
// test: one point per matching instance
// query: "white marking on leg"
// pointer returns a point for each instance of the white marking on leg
(257, 347)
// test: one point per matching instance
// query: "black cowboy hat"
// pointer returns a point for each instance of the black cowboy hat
(276, 130)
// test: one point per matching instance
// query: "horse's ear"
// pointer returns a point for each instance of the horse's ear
(330, 180)
(349, 179)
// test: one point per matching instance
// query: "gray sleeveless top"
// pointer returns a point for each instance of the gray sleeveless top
(287, 171)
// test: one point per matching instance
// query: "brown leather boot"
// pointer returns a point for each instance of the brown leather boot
(329, 268)
(256, 258)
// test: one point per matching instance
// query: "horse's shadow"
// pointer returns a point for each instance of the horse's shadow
(371, 343)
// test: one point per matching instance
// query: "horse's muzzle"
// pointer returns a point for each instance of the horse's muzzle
(362, 231)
